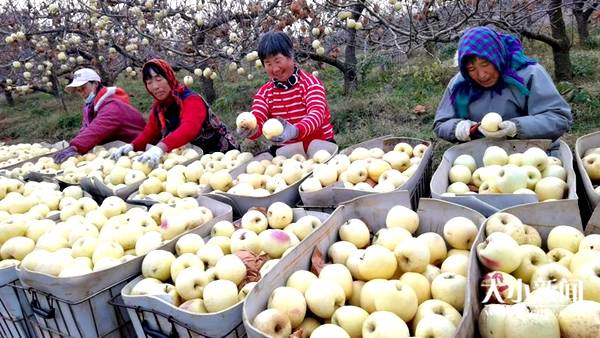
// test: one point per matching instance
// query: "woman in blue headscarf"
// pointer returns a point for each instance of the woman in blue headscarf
(496, 76)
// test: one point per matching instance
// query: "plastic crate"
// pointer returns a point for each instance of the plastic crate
(90, 317)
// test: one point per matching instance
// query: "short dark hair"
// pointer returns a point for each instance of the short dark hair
(273, 43)
(149, 68)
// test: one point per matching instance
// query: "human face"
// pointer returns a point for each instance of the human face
(279, 67)
(158, 86)
(85, 90)
(483, 72)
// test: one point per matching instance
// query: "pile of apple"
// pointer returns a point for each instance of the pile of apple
(126, 170)
(188, 181)
(15, 153)
(539, 291)
(368, 169)
(92, 237)
(266, 177)
(30, 200)
(210, 277)
(591, 163)
(376, 288)
(530, 172)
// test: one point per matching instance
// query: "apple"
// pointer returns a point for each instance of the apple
(398, 160)
(532, 236)
(460, 232)
(491, 121)
(339, 251)
(244, 291)
(356, 232)
(311, 184)
(359, 153)
(222, 228)
(492, 320)
(466, 160)
(377, 262)
(436, 326)
(254, 220)
(591, 164)
(561, 256)
(274, 242)
(193, 306)
(516, 159)
(550, 275)
(183, 262)
(589, 275)
(17, 248)
(495, 155)
(301, 280)
(191, 281)
(273, 323)
(351, 319)
(323, 297)
(305, 226)
(210, 254)
(272, 128)
(533, 257)
(547, 298)
(326, 174)
(376, 168)
(290, 302)
(84, 247)
(401, 216)
(412, 256)
(500, 252)
(580, 319)
(328, 330)
(527, 320)
(157, 264)
(279, 215)
(188, 243)
(384, 324)
(391, 237)
(232, 268)
(566, 237)
(550, 188)
(219, 295)
(73, 191)
(451, 288)
(589, 242)
(557, 171)
(436, 306)
(148, 242)
(511, 178)
(500, 221)
(536, 157)
(459, 173)
(244, 239)
(113, 206)
(459, 188)
(457, 264)
(398, 298)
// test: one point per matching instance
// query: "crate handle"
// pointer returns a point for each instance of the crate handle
(150, 332)
(37, 309)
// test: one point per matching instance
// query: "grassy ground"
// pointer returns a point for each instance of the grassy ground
(382, 105)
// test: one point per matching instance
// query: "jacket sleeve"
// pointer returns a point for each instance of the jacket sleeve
(105, 124)
(445, 121)
(549, 115)
(150, 134)
(316, 104)
(260, 110)
(193, 114)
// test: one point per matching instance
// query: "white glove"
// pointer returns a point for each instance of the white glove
(122, 150)
(505, 129)
(463, 130)
(152, 156)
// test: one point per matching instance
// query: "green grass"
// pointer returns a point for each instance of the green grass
(382, 105)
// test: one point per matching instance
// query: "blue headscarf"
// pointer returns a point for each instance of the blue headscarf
(502, 50)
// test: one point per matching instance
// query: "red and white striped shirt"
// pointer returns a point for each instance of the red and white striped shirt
(304, 105)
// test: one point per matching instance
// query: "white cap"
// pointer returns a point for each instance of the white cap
(81, 77)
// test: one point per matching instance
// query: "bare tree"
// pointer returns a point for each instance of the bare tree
(583, 10)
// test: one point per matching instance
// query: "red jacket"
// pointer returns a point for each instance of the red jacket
(108, 118)
(304, 105)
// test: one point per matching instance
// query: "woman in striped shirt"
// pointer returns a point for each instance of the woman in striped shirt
(293, 96)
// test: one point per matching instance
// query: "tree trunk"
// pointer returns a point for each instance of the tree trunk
(562, 59)
(208, 90)
(582, 28)
(350, 71)
(9, 98)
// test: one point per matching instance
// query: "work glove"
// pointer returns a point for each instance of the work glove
(64, 154)
(122, 150)
(290, 132)
(244, 132)
(464, 130)
(152, 156)
(505, 129)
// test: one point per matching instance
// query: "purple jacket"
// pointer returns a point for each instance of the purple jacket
(108, 118)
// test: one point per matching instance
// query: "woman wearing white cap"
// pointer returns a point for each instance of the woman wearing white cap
(107, 115)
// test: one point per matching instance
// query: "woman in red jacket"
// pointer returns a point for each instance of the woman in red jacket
(178, 116)
(107, 115)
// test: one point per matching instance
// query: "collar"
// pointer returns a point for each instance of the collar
(290, 82)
